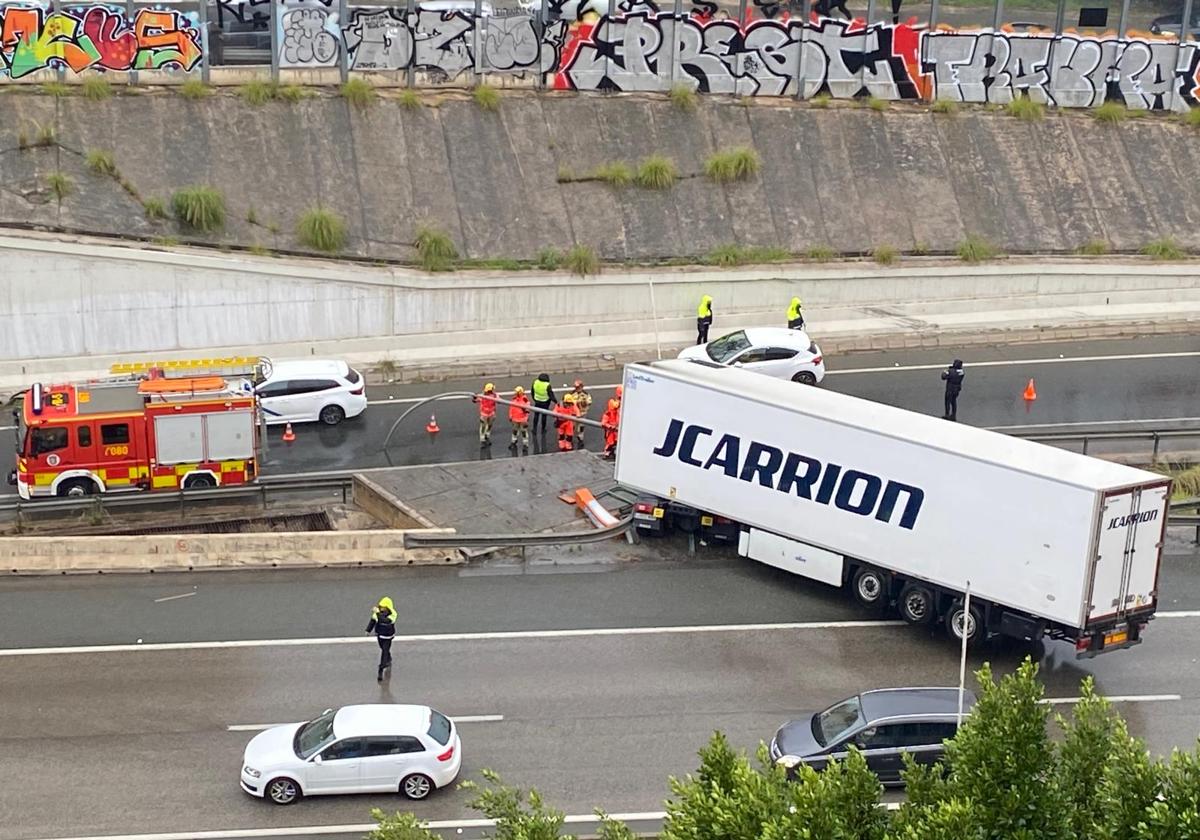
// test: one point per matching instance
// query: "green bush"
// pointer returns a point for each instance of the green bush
(1111, 112)
(1026, 109)
(615, 174)
(944, 106)
(656, 173)
(486, 97)
(733, 255)
(821, 100)
(199, 207)
(976, 249)
(877, 104)
(101, 162)
(435, 249)
(322, 230)
(1163, 249)
(56, 89)
(292, 93)
(1192, 118)
(736, 164)
(549, 259)
(359, 93)
(582, 260)
(194, 89)
(821, 253)
(682, 97)
(409, 100)
(1094, 248)
(59, 184)
(258, 92)
(885, 254)
(920, 249)
(97, 88)
(155, 209)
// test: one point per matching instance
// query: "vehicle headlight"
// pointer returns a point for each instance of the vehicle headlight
(251, 772)
(788, 761)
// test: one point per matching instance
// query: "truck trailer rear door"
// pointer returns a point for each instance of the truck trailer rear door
(1125, 573)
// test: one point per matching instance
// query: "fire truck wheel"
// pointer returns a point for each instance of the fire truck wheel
(331, 415)
(198, 482)
(77, 487)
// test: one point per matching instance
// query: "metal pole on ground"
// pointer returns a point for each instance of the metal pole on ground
(274, 24)
(805, 15)
(410, 71)
(1185, 28)
(962, 661)
(203, 20)
(477, 75)
(343, 53)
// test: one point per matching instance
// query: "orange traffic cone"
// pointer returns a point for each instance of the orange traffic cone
(432, 426)
(288, 434)
(1030, 392)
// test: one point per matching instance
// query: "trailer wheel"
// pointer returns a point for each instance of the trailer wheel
(869, 587)
(973, 619)
(916, 604)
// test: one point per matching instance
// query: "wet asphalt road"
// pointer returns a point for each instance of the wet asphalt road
(1076, 389)
(593, 720)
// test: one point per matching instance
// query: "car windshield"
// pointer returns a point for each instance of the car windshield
(314, 735)
(831, 725)
(728, 346)
(439, 727)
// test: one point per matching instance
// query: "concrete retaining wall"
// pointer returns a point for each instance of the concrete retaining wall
(72, 304)
(506, 183)
(173, 552)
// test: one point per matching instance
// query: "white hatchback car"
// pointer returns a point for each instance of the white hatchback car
(774, 351)
(377, 748)
(308, 390)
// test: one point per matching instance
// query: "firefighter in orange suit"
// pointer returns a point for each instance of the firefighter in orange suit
(564, 413)
(487, 413)
(518, 415)
(610, 421)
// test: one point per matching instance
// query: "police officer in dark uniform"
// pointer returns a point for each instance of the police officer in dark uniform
(953, 377)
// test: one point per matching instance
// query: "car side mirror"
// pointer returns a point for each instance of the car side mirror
(737, 364)
(317, 759)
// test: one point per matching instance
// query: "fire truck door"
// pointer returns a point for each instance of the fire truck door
(121, 452)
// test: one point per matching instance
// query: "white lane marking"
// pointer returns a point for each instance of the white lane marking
(174, 597)
(1129, 357)
(259, 727)
(7, 428)
(460, 637)
(361, 828)
(1117, 698)
(1178, 614)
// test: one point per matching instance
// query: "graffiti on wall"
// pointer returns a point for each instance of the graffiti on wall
(96, 38)
(448, 44)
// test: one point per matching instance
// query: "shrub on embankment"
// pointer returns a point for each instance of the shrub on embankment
(1003, 778)
(633, 177)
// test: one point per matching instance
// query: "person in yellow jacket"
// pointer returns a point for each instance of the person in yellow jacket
(795, 315)
(383, 624)
(704, 316)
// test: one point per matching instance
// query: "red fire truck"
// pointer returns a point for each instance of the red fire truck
(158, 426)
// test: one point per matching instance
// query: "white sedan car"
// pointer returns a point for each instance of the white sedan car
(774, 351)
(377, 748)
(308, 390)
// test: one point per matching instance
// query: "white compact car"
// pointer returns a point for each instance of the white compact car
(774, 351)
(377, 748)
(308, 390)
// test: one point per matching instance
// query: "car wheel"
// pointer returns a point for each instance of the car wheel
(283, 791)
(331, 415)
(805, 377)
(416, 786)
(199, 482)
(973, 619)
(869, 587)
(77, 487)
(916, 604)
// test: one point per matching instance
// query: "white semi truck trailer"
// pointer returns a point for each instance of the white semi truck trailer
(903, 510)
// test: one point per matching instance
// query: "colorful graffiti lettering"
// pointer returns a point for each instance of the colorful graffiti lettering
(96, 37)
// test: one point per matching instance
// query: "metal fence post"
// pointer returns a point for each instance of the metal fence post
(805, 15)
(935, 6)
(344, 60)
(675, 21)
(1185, 26)
(129, 13)
(540, 29)
(205, 52)
(477, 73)
(274, 24)
(410, 74)
(1124, 18)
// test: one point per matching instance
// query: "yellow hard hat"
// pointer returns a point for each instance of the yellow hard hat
(519, 390)
(570, 397)
(489, 387)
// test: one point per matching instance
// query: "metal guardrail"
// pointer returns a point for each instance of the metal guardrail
(262, 490)
(1157, 436)
(412, 540)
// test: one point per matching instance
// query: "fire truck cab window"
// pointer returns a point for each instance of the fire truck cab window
(84, 436)
(48, 439)
(114, 433)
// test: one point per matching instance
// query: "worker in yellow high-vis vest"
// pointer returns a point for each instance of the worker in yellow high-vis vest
(704, 316)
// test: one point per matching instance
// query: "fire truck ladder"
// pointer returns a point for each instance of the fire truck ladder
(255, 368)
